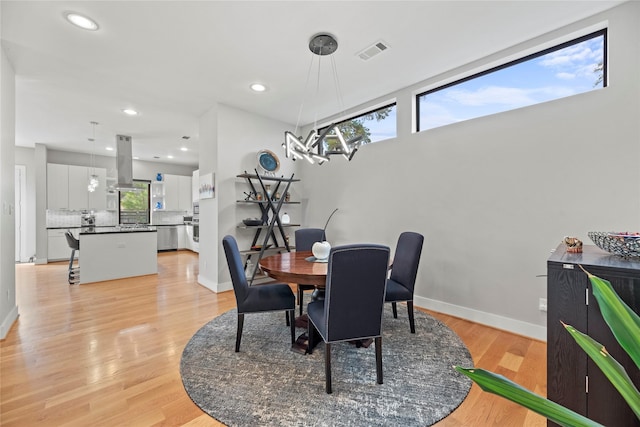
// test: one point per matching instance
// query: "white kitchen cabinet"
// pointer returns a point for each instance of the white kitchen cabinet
(177, 192)
(67, 188)
(57, 186)
(184, 193)
(188, 236)
(195, 186)
(182, 239)
(171, 188)
(57, 246)
(98, 199)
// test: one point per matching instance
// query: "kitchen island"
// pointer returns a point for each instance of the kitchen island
(108, 253)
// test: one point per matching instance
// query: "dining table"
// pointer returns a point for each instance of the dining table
(298, 267)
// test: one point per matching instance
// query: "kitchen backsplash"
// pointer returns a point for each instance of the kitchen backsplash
(167, 217)
(65, 218)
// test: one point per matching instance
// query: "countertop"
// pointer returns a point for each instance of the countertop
(117, 229)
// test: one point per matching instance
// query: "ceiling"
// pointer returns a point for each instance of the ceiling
(174, 60)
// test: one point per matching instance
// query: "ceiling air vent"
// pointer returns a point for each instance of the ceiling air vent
(373, 50)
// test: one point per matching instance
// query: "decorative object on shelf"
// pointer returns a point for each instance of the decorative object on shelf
(321, 44)
(321, 249)
(268, 191)
(573, 244)
(623, 244)
(285, 218)
(259, 196)
(252, 221)
(207, 188)
(93, 179)
(159, 177)
(249, 196)
(268, 162)
(287, 197)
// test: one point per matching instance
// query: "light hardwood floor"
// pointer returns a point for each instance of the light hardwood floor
(108, 354)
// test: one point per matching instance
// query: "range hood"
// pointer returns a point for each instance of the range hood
(124, 162)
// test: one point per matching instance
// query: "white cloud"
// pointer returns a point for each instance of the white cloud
(491, 95)
(566, 76)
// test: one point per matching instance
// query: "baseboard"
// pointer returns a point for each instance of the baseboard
(214, 286)
(41, 261)
(500, 322)
(8, 321)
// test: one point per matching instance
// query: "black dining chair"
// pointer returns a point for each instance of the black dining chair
(305, 238)
(404, 270)
(74, 245)
(258, 298)
(354, 299)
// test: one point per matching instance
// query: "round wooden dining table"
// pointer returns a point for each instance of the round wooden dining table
(293, 267)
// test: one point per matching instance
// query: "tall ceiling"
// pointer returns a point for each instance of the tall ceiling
(173, 60)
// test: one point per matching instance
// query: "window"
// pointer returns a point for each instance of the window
(573, 67)
(373, 125)
(134, 205)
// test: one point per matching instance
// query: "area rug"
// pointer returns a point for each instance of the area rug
(267, 384)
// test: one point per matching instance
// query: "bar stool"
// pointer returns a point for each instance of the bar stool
(74, 272)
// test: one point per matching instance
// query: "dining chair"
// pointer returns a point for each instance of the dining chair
(258, 298)
(404, 270)
(354, 299)
(305, 238)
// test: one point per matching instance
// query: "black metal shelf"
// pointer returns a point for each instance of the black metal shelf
(270, 210)
(266, 226)
(266, 202)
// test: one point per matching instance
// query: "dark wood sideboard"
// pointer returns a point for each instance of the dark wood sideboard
(573, 380)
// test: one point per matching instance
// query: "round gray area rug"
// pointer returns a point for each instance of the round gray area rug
(267, 384)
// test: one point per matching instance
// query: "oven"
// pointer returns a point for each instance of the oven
(196, 221)
(196, 229)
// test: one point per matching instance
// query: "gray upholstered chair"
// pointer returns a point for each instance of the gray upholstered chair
(259, 298)
(305, 238)
(354, 299)
(404, 270)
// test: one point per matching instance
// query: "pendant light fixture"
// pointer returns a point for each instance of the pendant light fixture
(93, 179)
(312, 148)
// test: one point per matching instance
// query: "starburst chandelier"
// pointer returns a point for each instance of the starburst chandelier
(311, 148)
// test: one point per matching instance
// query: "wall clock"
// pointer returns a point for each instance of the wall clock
(268, 162)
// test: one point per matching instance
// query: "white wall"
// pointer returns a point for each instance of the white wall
(26, 157)
(8, 307)
(240, 135)
(493, 196)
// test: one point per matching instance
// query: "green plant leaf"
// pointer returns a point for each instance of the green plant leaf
(622, 320)
(609, 367)
(504, 387)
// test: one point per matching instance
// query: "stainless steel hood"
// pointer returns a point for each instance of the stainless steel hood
(124, 162)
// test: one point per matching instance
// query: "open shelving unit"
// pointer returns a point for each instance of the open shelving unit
(271, 232)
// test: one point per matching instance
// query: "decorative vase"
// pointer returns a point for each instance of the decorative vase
(285, 218)
(321, 250)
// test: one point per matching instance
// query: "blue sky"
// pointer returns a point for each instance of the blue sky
(558, 74)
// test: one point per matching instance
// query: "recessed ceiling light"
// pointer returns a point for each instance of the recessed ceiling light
(130, 112)
(183, 148)
(258, 87)
(81, 21)
(109, 148)
(169, 156)
(136, 158)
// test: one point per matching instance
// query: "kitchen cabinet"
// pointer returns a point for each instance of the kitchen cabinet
(182, 240)
(176, 193)
(184, 193)
(195, 185)
(67, 187)
(57, 186)
(57, 246)
(573, 380)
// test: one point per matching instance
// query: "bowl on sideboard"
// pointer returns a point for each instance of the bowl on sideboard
(621, 244)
